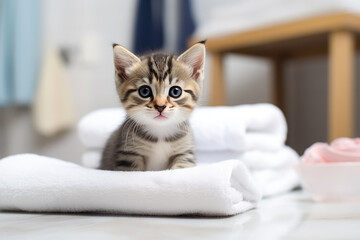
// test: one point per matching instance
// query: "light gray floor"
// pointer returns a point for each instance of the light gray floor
(290, 216)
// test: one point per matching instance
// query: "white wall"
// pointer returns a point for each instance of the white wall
(90, 27)
(73, 24)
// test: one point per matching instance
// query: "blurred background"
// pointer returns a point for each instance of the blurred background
(56, 63)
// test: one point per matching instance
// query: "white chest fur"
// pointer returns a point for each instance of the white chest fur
(158, 156)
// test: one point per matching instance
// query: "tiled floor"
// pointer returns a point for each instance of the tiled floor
(290, 216)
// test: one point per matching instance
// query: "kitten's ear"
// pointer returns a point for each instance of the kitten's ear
(123, 61)
(195, 58)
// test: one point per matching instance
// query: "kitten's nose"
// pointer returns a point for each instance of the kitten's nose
(160, 108)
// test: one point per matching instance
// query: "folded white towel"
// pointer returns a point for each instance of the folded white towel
(276, 181)
(253, 159)
(273, 171)
(35, 183)
(237, 128)
(91, 158)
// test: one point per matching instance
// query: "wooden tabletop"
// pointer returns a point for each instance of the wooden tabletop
(292, 38)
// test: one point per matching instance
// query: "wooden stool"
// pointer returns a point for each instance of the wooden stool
(333, 34)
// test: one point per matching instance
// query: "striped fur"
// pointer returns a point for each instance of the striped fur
(149, 139)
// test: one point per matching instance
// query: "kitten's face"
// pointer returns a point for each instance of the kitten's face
(159, 89)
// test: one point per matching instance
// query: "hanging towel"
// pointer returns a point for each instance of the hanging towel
(238, 128)
(35, 183)
(7, 10)
(53, 109)
(19, 50)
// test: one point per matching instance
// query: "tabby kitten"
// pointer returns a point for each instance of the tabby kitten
(159, 92)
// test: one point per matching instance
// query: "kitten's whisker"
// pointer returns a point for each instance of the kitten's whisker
(135, 128)
(128, 131)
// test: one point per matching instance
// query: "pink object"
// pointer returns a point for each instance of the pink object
(332, 172)
(340, 150)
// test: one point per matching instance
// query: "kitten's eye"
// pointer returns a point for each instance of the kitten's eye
(145, 91)
(175, 92)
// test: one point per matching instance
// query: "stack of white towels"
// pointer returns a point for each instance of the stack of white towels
(250, 138)
(253, 134)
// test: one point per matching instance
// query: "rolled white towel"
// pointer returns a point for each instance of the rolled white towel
(237, 128)
(273, 171)
(30, 182)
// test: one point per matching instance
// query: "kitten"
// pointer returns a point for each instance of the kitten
(159, 92)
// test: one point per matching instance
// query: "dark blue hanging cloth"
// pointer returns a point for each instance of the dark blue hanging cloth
(149, 26)
(149, 31)
(187, 25)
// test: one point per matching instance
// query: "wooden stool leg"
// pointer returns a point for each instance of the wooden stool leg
(217, 91)
(341, 85)
(278, 85)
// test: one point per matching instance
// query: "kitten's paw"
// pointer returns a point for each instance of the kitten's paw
(182, 165)
(127, 169)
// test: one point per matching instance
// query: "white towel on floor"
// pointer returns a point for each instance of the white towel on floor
(30, 182)
(237, 128)
(273, 171)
